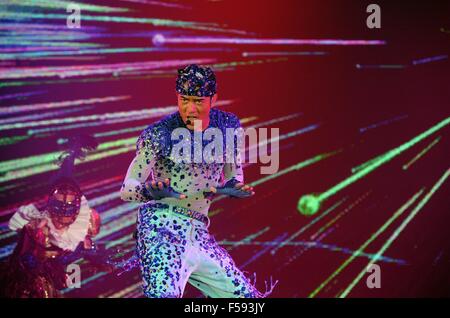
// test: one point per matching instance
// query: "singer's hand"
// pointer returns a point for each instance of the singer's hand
(162, 190)
(232, 188)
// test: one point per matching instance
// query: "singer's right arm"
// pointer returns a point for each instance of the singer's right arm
(133, 187)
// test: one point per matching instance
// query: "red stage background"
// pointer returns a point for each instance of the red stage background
(352, 102)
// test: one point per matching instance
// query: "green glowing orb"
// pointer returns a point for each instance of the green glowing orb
(308, 204)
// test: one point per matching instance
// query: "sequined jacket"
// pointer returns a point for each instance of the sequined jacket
(154, 161)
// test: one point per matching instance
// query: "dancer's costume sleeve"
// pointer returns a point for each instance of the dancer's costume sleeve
(235, 170)
(23, 216)
(133, 188)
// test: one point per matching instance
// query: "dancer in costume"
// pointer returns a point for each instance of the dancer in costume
(174, 245)
(53, 237)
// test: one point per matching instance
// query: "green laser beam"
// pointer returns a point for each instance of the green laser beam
(341, 214)
(397, 232)
(310, 203)
(297, 166)
(22, 173)
(361, 249)
(420, 154)
(368, 163)
(307, 226)
(8, 165)
(115, 19)
(58, 5)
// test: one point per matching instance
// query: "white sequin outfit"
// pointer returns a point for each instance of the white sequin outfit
(174, 249)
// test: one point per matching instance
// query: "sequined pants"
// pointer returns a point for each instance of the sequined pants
(174, 249)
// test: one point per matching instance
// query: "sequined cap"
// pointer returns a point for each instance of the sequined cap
(194, 80)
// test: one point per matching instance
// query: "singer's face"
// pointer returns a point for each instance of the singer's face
(193, 108)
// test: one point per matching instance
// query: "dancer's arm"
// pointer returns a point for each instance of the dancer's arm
(136, 187)
(233, 173)
(23, 216)
(133, 187)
